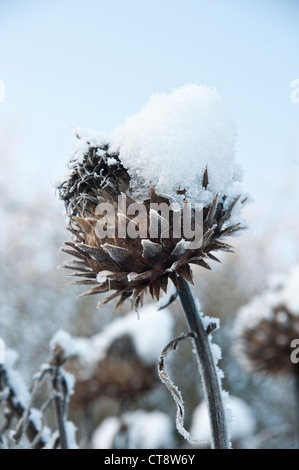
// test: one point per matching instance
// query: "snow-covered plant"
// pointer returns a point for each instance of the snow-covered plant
(267, 331)
(26, 417)
(120, 362)
(179, 148)
(158, 195)
(266, 327)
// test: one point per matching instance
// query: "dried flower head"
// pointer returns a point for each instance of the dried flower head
(266, 327)
(120, 361)
(121, 375)
(146, 160)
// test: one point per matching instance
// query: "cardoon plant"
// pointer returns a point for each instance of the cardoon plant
(159, 195)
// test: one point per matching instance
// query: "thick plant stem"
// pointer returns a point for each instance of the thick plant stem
(208, 369)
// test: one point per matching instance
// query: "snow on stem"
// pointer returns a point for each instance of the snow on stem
(17, 408)
(208, 370)
(176, 394)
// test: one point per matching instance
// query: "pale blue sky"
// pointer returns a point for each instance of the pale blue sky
(92, 63)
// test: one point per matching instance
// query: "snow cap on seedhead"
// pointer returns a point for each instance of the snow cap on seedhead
(180, 148)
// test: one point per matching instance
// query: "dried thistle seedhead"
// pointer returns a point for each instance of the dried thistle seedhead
(131, 266)
(266, 327)
(266, 347)
(121, 374)
(99, 175)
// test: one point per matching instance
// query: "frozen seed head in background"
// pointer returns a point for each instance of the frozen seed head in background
(179, 148)
(266, 326)
(121, 361)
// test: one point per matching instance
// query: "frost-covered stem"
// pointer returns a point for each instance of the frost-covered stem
(22, 424)
(17, 408)
(60, 405)
(208, 369)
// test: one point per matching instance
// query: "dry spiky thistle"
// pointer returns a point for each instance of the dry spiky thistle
(267, 346)
(178, 149)
(131, 266)
(266, 327)
(265, 331)
(120, 361)
(121, 375)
